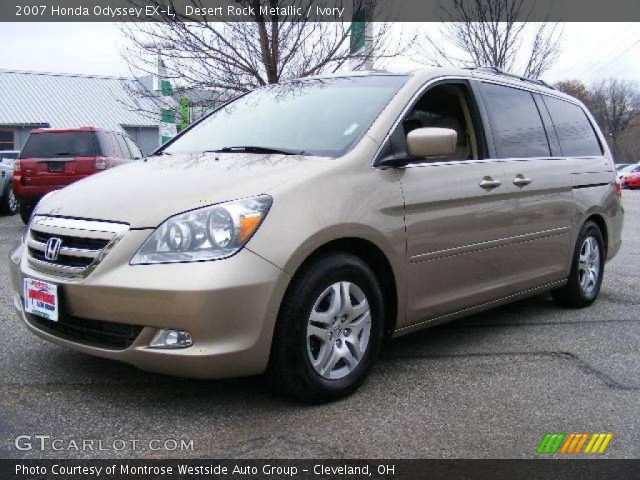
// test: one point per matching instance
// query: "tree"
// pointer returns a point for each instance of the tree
(496, 33)
(616, 106)
(575, 88)
(236, 57)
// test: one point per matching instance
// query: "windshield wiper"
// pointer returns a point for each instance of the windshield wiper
(256, 149)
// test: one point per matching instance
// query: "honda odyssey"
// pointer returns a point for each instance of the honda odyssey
(297, 227)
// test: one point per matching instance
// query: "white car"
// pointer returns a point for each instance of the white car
(8, 201)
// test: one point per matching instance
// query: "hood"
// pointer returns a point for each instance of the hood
(145, 193)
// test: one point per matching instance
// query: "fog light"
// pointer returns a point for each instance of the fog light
(171, 339)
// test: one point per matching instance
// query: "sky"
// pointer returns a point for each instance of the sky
(591, 51)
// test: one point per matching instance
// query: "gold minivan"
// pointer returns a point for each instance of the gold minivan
(294, 229)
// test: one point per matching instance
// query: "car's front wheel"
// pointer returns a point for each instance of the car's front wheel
(329, 329)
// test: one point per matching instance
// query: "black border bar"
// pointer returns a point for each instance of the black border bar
(309, 10)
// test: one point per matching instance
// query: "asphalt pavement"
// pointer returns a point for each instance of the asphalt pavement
(487, 386)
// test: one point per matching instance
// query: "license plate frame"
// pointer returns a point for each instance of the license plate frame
(41, 299)
(55, 167)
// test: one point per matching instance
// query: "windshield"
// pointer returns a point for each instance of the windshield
(60, 144)
(317, 116)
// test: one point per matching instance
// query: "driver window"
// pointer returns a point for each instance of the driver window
(446, 106)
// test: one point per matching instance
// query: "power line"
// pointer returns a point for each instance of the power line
(599, 71)
(598, 55)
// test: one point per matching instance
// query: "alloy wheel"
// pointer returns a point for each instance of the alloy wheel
(338, 330)
(589, 265)
(12, 201)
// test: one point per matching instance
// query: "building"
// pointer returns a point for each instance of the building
(31, 100)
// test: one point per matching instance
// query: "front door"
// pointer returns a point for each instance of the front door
(457, 213)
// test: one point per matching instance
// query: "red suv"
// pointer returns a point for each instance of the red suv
(54, 158)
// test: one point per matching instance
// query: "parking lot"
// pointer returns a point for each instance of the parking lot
(490, 385)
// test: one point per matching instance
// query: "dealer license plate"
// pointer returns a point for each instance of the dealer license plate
(41, 298)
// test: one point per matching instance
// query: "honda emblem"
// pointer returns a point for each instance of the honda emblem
(52, 249)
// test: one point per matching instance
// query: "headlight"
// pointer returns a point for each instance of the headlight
(209, 233)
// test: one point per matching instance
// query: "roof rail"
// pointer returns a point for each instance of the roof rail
(499, 71)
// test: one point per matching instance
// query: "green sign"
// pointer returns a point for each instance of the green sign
(183, 114)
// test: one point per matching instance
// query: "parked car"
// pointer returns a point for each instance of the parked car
(632, 180)
(625, 172)
(620, 166)
(8, 156)
(296, 228)
(8, 202)
(54, 158)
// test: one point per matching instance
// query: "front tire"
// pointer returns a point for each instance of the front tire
(587, 269)
(329, 329)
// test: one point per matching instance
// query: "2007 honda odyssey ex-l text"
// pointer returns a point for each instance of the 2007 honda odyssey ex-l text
(294, 229)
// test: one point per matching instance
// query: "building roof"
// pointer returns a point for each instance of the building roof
(66, 101)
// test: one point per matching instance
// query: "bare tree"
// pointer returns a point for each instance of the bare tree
(616, 106)
(236, 57)
(496, 33)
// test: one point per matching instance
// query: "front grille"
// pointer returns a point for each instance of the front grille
(97, 333)
(82, 244)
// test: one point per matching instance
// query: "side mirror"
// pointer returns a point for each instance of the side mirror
(431, 142)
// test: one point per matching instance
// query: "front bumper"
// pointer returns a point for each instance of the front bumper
(228, 306)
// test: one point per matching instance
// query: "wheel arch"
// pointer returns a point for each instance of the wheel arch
(377, 260)
(602, 225)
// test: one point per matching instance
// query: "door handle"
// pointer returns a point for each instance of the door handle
(521, 180)
(489, 183)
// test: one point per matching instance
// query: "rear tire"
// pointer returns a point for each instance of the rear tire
(587, 269)
(25, 212)
(329, 329)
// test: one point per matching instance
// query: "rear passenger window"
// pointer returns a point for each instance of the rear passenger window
(517, 127)
(575, 133)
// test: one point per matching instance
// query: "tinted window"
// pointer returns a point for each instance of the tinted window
(575, 133)
(60, 144)
(318, 116)
(517, 127)
(10, 155)
(123, 146)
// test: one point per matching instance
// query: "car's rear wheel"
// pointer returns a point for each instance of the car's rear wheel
(9, 202)
(329, 329)
(587, 269)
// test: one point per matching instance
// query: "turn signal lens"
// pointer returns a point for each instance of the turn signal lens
(618, 187)
(248, 225)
